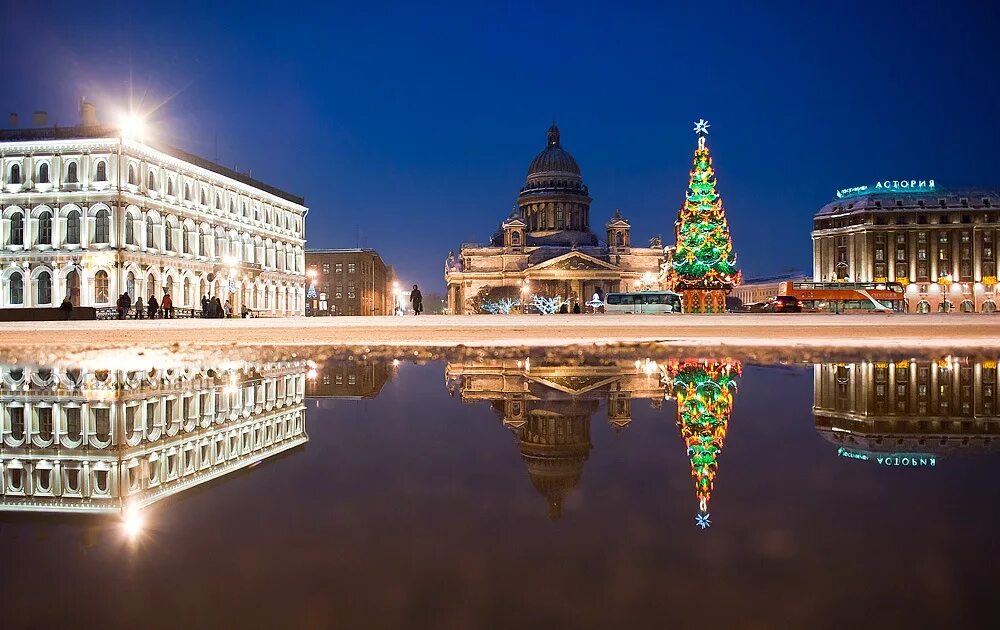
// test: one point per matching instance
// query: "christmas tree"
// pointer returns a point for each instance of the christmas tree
(704, 392)
(703, 267)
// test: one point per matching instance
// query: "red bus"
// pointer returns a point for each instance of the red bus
(847, 297)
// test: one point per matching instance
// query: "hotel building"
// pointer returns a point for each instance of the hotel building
(942, 245)
(90, 212)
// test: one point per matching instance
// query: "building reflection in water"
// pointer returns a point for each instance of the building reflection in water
(111, 441)
(350, 379)
(549, 408)
(907, 413)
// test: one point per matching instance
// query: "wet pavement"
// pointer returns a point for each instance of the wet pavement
(482, 489)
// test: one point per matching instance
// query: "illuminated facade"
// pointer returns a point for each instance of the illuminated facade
(88, 212)
(546, 246)
(549, 407)
(104, 441)
(907, 413)
(941, 244)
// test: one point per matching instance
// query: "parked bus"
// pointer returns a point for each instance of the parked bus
(655, 302)
(846, 297)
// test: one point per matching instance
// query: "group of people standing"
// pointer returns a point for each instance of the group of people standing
(211, 307)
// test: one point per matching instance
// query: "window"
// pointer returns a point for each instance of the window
(16, 292)
(101, 287)
(151, 182)
(73, 428)
(170, 186)
(150, 239)
(43, 288)
(218, 202)
(102, 423)
(129, 230)
(73, 228)
(131, 175)
(168, 238)
(185, 247)
(16, 422)
(43, 173)
(204, 197)
(102, 227)
(326, 267)
(350, 268)
(339, 268)
(102, 172)
(15, 174)
(17, 229)
(187, 192)
(350, 291)
(339, 292)
(45, 422)
(45, 228)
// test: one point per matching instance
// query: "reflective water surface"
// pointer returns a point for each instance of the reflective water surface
(499, 493)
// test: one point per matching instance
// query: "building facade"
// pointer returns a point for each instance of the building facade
(546, 246)
(85, 441)
(940, 245)
(348, 282)
(90, 213)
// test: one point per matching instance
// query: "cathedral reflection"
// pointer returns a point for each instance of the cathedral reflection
(907, 413)
(111, 441)
(549, 408)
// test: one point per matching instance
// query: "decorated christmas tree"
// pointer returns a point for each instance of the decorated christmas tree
(704, 391)
(703, 266)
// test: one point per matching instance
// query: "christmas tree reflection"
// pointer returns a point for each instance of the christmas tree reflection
(704, 390)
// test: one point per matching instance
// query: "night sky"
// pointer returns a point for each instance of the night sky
(413, 124)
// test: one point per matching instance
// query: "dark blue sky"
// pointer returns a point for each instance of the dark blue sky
(416, 122)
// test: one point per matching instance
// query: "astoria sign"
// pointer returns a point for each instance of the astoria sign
(888, 185)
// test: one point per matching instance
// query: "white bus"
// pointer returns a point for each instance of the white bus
(654, 302)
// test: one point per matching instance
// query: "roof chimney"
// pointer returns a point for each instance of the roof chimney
(40, 119)
(12, 120)
(88, 113)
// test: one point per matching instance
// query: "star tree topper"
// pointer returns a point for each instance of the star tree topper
(701, 127)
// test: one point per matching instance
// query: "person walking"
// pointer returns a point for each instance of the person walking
(66, 307)
(204, 306)
(167, 306)
(152, 306)
(227, 310)
(416, 301)
(123, 303)
(139, 307)
(216, 308)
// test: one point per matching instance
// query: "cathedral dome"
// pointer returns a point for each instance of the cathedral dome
(553, 159)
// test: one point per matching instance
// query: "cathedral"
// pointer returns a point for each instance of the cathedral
(546, 246)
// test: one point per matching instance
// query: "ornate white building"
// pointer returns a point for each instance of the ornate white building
(90, 212)
(109, 440)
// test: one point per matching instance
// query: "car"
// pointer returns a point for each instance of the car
(783, 304)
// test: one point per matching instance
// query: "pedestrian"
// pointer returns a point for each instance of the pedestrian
(167, 306)
(245, 312)
(576, 308)
(152, 306)
(227, 310)
(124, 301)
(204, 306)
(416, 301)
(66, 307)
(563, 308)
(139, 307)
(216, 309)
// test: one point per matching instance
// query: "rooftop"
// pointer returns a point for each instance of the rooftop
(107, 131)
(957, 199)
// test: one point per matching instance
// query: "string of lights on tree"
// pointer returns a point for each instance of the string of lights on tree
(703, 259)
(704, 390)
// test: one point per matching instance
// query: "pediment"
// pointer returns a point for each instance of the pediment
(575, 261)
(576, 384)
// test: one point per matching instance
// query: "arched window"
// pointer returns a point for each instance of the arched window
(151, 182)
(16, 293)
(102, 172)
(73, 228)
(168, 237)
(202, 237)
(102, 227)
(515, 238)
(101, 287)
(186, 293)
(967, 306)
(170, 186)
(43, 173)
(244, 211)
(131, 176)
(45, 228)
(989, 306)
(232, 206)
(150, 239)
(17, 229)
(218, 202)
(73, 287)
(204, 197)
(43, 288)
(72, 176)
(129, 230)
(187, 192)
(185, 247)
(15, 174)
